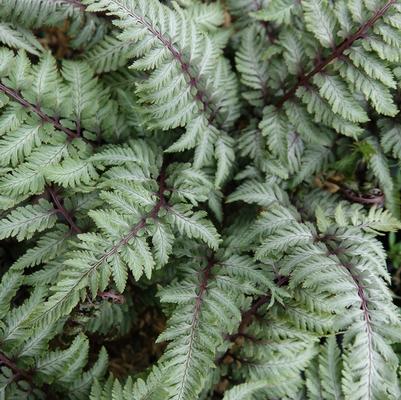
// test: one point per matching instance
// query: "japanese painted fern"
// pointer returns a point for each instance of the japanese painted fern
(198, 199)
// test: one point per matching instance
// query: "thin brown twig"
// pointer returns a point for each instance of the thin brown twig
(377, 200)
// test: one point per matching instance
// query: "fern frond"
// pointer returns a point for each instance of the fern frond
(23, 222)
(19, 38)
(244, 169)
(194, 331)
(46, 249)
(253, 69)
(178, 90)
(130, 214)
(109, 54)
(84, 28)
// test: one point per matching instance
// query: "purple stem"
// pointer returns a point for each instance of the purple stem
(193, 80)
(61, 209)
(37, 110)
(17, 371)
(337, 52)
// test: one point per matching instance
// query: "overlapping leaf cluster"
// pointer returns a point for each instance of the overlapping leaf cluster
(232, 165)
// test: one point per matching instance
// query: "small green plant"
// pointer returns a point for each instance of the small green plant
(224, 173)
